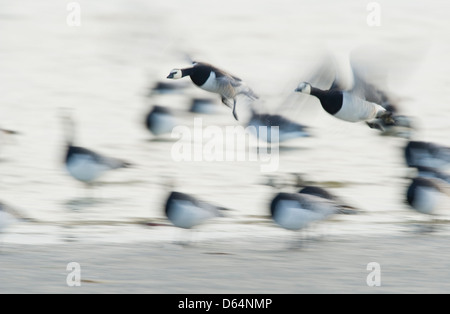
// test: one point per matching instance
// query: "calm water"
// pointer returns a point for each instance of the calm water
(102, 71)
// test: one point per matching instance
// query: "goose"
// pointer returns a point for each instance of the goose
(394, 123)
(343, 207)
(215, 80)
(295, 211)
(84, 164)
(203, 105)
(427, 154)
(365, 99)
(165, 88)
(160, 120)
(345, 105)
(185, 211)
(428, 172)
(370, 81)
(287, 129)
(425, 195)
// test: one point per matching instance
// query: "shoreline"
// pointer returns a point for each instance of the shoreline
(410, 263)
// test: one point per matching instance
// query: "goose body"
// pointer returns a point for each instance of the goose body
(215, 80)
(428, 172)
(427, 154)
(203, 105)
(83, 164)
(295, 211)
(343, 207)
(160, 120)
(287, 129)
(344, 105)
(87, 166)
(424, 195)
(164, 88)
(185, 211)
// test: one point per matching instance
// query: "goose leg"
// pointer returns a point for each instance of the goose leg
(226, 102)
(234, 110)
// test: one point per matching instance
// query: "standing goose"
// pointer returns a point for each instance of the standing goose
(295, 211)
(287, 129)
(203, 105)
(160, 120)
(427, 154)
(343, 207)
(185, 211)
(164, 88)
(83, 164)
(425, 195)
(212, 79)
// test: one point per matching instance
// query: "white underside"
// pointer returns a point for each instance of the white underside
(85, 168)
(224, 86)
(186, 215)
(355, 109)
(211, 85)
(162, 123)
(426, 200)
(290, 215)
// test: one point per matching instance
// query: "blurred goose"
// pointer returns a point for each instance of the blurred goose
(83, 164)
(370, 80)
(262, 124)
(362, 98)
(164, 88)
(345, 105)
(185, 211)
(203, 105)
(425, 195)
(427, 154)
(428, 172)
(295, 211)
(343, 207)
(215, 80)
(160, 120)
(399, 125)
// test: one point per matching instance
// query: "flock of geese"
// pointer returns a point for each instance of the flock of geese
(362, 102)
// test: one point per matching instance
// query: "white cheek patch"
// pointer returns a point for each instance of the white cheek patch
(307, 89)
(177, 75)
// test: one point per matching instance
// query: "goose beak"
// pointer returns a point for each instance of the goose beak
(170, 76)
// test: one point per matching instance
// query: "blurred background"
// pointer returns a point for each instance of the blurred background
(104, 69)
